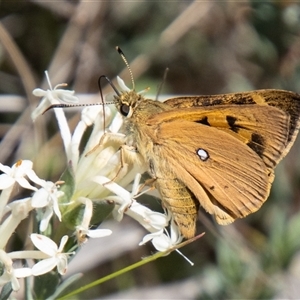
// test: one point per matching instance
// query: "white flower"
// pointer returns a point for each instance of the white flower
(11, 274)
(161, 239)
(151, 220)
(56, 96)
(17, 173)
(90, 115)
(52, 96)
(18, 210)
(124, 199)
(47, 198)
(83, 230)
(56, 257)
(101, 156)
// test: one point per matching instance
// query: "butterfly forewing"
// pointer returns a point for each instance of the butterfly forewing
(264, 130)
(288, 102)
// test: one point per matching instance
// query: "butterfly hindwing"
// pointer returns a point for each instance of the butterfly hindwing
(234, 186)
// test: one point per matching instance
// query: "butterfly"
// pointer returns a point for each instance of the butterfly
(214, 151)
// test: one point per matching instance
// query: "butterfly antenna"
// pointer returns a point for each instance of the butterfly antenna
(63, 105)
(110, 83)
(101, 94)
(127, 65)
(162, 83)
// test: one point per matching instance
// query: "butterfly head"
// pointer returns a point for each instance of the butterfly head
(127, 102)
(132, 105)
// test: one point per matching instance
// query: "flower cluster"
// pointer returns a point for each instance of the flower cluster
(95, 178)
(11, 215)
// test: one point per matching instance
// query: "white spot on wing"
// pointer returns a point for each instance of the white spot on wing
(203, 154)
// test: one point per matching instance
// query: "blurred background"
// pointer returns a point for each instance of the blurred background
(210, 47)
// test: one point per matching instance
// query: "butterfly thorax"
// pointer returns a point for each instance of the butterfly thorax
(136, 110)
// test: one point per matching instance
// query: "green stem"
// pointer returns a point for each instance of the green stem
(129, 268)
(115, 274)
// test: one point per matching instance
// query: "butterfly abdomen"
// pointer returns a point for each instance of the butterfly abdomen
(178, 199)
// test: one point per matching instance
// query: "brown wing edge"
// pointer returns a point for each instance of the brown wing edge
(287, 101)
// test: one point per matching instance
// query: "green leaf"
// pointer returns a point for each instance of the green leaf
(67, 187)
(6, 291)
(45, 285)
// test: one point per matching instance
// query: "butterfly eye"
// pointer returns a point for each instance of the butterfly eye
(125, 110)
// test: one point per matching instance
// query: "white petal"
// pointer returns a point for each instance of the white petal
(87, 215)
(39, 92)
(44, 104)
(21, 208)
(56, 209)
(14, 283)
(62, 264)
(40, 198)
(22, 166)
(63, 242)
(124, 196)
(122, 85)
(113, 187)
(6, 181)
(34, 178)
(44, 266)
(22, 204)
(25, 184)
(97, 233)
(116, 124)
(5, 169)
(136, 184)
(152, 221)
(46, 219)
(22, 272)
(157, 220)
(68, 97)
(161, 243)
(150, 236)
(176, 236)
(44, 244)
(90, 113)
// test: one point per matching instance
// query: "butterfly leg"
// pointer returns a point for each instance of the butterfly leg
(129, 158)
(122, 163)
(151, 186)
(107, 138)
